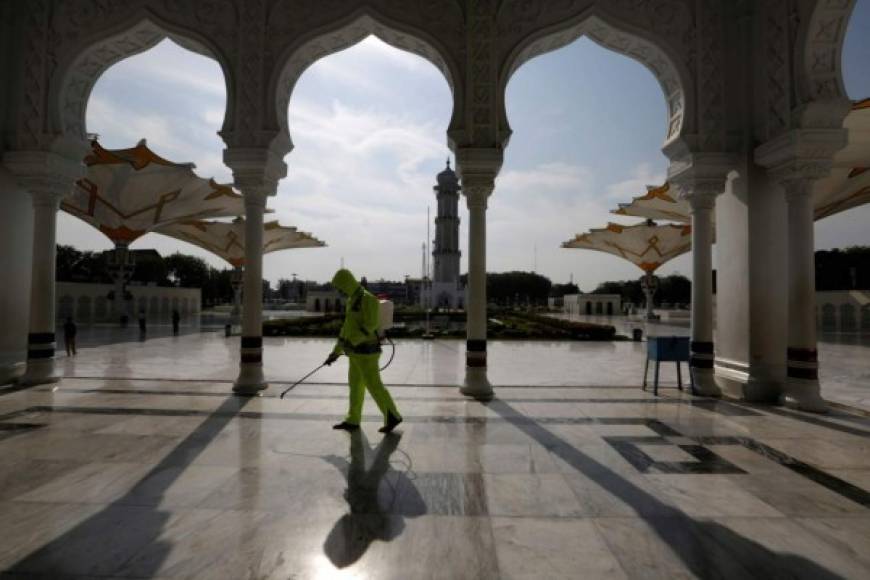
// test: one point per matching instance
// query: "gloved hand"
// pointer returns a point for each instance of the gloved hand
(333, 356)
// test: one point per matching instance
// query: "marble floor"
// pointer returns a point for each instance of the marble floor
(141, 464)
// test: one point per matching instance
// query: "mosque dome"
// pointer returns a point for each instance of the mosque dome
(448, 179)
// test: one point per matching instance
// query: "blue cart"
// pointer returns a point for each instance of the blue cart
(667, 348)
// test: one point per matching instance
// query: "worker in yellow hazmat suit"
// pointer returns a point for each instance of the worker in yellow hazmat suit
(358, 339)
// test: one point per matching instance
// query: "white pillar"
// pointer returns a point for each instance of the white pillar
(251, 379)
(476, 383)
(48, 177)
(797, 159)
(256, 172)
(802, 372)
(702, 358)
(477, 169)
(41, 337)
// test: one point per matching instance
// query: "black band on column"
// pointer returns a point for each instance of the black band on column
(251, 357)
(475, 362)
(700, 363)
(806, 355)
(44, 352)
(475, 345)
(701, 355)
(40, 338)
(701, 347)
(806, 373)
(252, 342)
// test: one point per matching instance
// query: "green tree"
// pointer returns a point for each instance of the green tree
(559, 290)
(187, 271)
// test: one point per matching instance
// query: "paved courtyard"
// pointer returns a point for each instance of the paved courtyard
(142, 464)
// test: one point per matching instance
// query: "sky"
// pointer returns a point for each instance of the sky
(368, 125)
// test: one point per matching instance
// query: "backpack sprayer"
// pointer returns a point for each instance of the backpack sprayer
(386, 310)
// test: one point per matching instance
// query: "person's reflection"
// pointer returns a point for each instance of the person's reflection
(378, 497)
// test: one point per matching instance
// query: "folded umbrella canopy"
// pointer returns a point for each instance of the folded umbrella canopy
(227, 239)
(659, 203)
(130, 192)
(847, 186)
(646, 245)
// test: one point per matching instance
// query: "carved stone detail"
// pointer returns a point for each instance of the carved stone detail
(823, 45)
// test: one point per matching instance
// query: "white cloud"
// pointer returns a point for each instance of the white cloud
(643, 175)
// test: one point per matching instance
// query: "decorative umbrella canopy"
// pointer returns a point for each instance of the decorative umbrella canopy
(129, 192)
(227, 239)
(659, 203)
(645, 245)
(843, 189)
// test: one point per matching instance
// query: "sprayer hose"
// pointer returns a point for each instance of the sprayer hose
(392, 354)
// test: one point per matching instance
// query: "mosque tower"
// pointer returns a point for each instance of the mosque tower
(446, 250)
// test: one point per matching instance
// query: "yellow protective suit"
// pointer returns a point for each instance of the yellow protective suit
(358, 339)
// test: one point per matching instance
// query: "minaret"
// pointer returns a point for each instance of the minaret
(446, 251)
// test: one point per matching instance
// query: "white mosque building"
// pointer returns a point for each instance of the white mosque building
(445, 289)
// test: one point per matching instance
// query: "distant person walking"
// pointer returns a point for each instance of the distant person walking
(142, 321)
(69, 336)
(358, 339)
(176, 319)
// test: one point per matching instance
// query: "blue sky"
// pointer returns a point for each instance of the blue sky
(369, 125)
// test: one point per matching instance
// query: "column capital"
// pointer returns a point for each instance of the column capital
(48, 176)
(700, 177)
(256, 171)
(478, 168)
(799, 157)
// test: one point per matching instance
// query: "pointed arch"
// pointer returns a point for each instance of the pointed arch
(78, 73)
(623, 38)
(342, 34)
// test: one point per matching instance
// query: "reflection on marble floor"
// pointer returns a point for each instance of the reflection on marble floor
(147, 478)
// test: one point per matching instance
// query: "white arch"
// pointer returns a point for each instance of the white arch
(79, 74)
(345, 34)
(623, 39)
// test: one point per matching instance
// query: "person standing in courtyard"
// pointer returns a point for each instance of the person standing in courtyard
(141, 322)
(176, 319)
(358, 339)
(69, 336)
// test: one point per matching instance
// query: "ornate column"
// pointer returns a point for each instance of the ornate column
(796, 160)
(701, 205)
(478, 168)
(699, 178)
(256, 173)
(802, 366)
(48, 177)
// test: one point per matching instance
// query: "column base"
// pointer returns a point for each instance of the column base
(739, 380)
(251, 379)
(477, 384)
(704, 380)
(39, 372)
(802, 380)
(806, 394)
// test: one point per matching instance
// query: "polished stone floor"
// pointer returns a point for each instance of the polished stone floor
(140, 464)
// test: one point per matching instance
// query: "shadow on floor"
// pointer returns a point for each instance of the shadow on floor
(378, 497)
(707, 549)
(126, 533)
